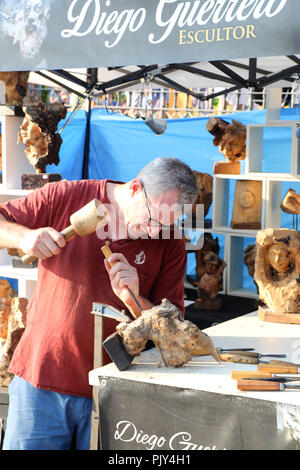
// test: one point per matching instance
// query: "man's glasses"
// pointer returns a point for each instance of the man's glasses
(152, 223)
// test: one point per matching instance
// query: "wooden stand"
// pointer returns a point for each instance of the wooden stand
(227, 168)
(266, 315)
(38, 180)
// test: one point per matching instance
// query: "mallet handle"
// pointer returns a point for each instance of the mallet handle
(67, 233)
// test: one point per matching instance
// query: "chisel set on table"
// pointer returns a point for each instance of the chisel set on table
(269, 374)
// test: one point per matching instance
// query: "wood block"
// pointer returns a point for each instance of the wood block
(266, 315)
(38, 180)
(246, 212)
(227, 168)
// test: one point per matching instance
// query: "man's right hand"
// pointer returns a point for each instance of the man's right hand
(42, 243)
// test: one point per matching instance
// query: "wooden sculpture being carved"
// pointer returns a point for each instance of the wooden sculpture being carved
(13, 311)
(277, 273)
(163, 325)
(291, 202)
(210, 283)
(205, 187)
(231, 140)
(16, 86)
(38, 132)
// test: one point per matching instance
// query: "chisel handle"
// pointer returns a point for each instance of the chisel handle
(238, 358)
(107, 252)
(244, 374)
(278, 368)
(243, 353)
(257, 385)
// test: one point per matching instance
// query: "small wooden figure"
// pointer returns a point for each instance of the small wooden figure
(210, 283)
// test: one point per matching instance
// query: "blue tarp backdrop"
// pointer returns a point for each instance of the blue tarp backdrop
(120, 146)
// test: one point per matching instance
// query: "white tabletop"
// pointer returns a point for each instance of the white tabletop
(204, 373)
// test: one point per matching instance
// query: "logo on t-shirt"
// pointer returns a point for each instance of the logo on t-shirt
(140, 258)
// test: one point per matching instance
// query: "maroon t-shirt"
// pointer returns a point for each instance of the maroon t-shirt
(56, 348)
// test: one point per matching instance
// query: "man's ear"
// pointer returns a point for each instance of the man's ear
(135, 187)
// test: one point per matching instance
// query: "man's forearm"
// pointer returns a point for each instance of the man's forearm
(11, 234)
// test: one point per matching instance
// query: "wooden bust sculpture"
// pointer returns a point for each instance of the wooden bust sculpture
(42, 142)
(277, 274)
(231, 140)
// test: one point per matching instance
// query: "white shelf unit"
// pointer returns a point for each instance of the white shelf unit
(236, 279)
(14, 164)
(257, 138)
(276, 190)
(223, 197)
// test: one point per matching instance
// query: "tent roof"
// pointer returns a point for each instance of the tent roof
(279, 71)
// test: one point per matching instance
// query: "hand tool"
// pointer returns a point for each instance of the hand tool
(107, 253)
(276, 379)
(279, 367)
(244, 374)
(233, 350)
(242, 352)
(83, 222)
(261, 385)
(238, 358)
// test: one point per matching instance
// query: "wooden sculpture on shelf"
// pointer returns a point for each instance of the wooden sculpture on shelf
(164, 325)
(231, 140)
(205, 187)
(291, 202)
(246, 212)
(42, 142)
(210, 283)
(15, 85)
(277, 274)
(13, 311)
(209, 244)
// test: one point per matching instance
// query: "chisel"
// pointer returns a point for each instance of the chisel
(238, 358)
(250, 374)
(277, 379)
(107, 253)
(264, 385)
(279, 367)
(253, 353)
(244, 374)
(233, 350)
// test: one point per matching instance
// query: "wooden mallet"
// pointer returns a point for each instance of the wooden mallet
(83, 222)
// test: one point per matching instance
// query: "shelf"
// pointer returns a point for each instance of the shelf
(276, 190)
(224, 193)
(263, 140)
(239, 281)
